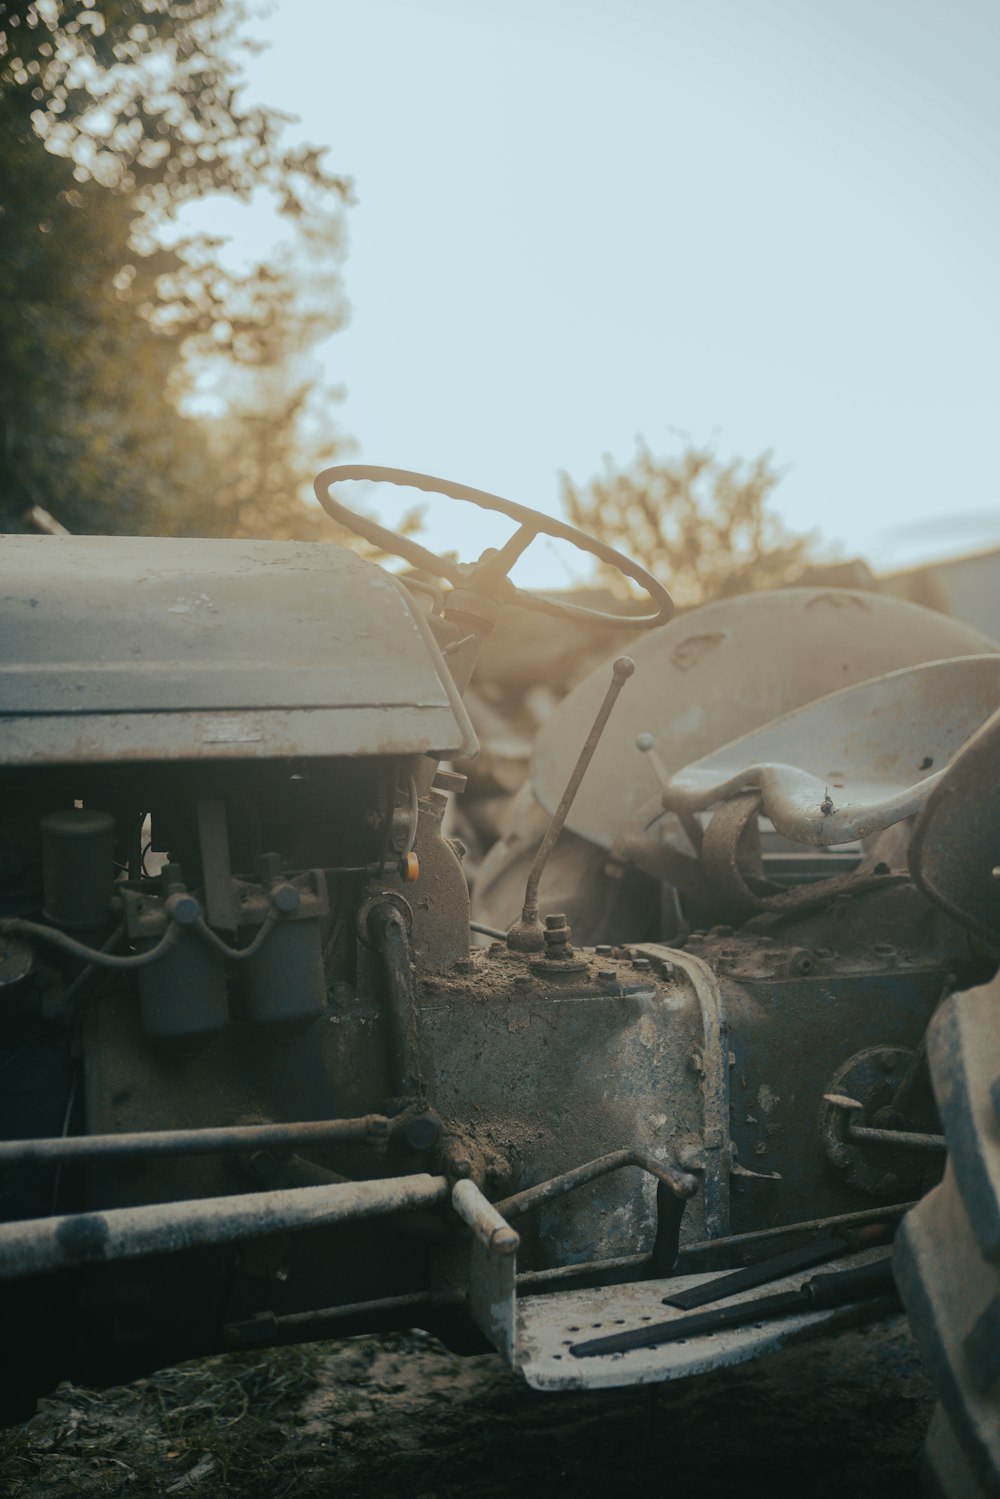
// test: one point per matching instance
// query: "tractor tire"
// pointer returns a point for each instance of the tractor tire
(947, 1257)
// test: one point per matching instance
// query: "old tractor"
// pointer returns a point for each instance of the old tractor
(261, 1083)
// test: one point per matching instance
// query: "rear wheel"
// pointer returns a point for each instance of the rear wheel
(947, 1260)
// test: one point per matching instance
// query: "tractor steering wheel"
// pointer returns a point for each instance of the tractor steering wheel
(490, 572)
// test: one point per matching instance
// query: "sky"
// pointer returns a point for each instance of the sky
(759, 224)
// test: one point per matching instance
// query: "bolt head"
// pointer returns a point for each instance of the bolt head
(285, 899)
(183, 908)
(421, 1132)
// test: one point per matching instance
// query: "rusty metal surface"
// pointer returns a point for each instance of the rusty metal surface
(721, 671)
(162, 648)
(539, 1077)
(854, 762)
(711, 1065)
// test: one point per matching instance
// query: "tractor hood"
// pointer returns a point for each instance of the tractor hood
(150, 648)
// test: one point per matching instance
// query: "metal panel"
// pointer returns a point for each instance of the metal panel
(154, 647)
(549, 1325)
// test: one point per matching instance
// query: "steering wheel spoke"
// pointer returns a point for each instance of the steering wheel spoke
(495, 564)
(514, 548)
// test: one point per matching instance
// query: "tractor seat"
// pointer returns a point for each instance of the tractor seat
(854, 762)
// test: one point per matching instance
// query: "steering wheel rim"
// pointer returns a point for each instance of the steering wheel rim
(531, 523)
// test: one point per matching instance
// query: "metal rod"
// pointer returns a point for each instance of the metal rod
(631, 1267)
(910, 1139)
(85, 1149)
(293, 1327)
(679, 1182)
(484, 1218)
(807, 1226)
(487, 931)
(41, 1245)
(526, 935)
(388, 930)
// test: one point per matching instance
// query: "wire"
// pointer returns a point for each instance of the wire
(95, 956)
(100, 958)
(235, 954)
(414, 817)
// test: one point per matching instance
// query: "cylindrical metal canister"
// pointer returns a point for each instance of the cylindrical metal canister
(183, 994)
(285, 983)
(78, 867)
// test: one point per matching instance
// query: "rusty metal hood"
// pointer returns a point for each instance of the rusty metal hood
(168, 648)
(720, 671)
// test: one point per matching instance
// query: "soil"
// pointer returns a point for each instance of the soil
(399, 1417)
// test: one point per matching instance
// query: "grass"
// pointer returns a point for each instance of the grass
(221, 1426)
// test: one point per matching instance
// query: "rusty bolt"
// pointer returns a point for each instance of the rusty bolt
(421, 1131)
(606, 975)
(841, 1157)
(643, 964)
(603, 950)
(557, 922)
(696, 1064)
(465, 965)
(887, 1060)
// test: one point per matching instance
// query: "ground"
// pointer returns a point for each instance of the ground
(399, 1417)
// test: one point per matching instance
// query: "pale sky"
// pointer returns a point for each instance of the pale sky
(762, 223)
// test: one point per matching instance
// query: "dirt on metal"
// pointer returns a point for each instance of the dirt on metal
(399, 1417)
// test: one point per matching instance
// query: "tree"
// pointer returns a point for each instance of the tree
(701, 526)
(114, 114)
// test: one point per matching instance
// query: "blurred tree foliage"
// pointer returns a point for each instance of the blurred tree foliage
(113, 115)
(701, 526)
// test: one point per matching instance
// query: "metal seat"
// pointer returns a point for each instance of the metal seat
(853, 762)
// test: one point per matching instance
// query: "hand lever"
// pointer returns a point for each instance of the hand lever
(526, 935)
